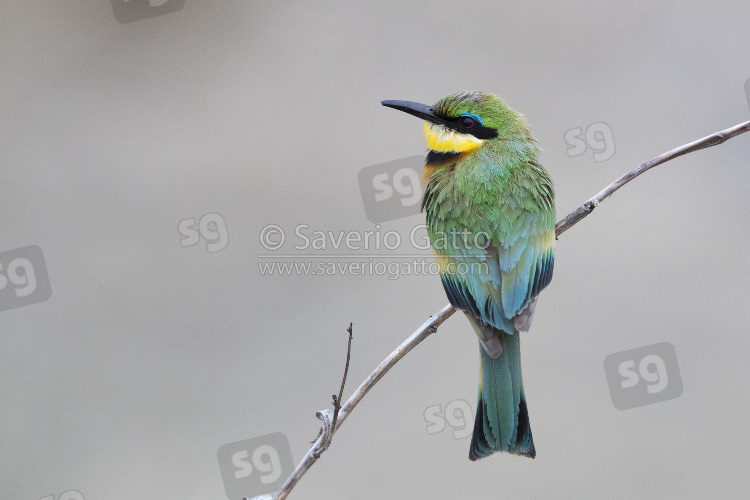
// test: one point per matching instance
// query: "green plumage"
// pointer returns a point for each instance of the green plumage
(491, 221)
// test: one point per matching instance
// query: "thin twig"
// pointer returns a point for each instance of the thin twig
(337, 401)
(431, 325)
(428, 327)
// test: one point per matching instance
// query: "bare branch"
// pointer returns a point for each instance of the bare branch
(331, 423)
(589, 205)
(324, 436)
(428, 327)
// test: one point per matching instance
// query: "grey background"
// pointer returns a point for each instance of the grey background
(148, 356)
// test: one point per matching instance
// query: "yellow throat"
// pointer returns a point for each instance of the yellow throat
(440, 138)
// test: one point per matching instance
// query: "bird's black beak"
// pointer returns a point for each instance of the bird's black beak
(422, 111)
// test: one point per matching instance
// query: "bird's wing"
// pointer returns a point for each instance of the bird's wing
(525, 269)
(499, 280)
(499, 283)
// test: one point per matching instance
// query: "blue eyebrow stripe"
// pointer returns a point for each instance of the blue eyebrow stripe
(476, 117)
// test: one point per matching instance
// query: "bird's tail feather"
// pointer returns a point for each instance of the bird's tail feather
(502, 420)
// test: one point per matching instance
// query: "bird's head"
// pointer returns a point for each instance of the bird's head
(463, 121)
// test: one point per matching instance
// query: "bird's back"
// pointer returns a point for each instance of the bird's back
(491, 219)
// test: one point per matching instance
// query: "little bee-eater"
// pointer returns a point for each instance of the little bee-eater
(491, 222)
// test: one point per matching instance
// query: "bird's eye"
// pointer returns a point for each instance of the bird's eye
(466, 122)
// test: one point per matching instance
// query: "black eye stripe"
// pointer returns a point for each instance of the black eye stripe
(477, 130)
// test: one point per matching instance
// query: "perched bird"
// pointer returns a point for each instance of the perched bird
(491, 221)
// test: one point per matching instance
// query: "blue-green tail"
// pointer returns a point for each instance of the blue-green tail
(502, 421)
